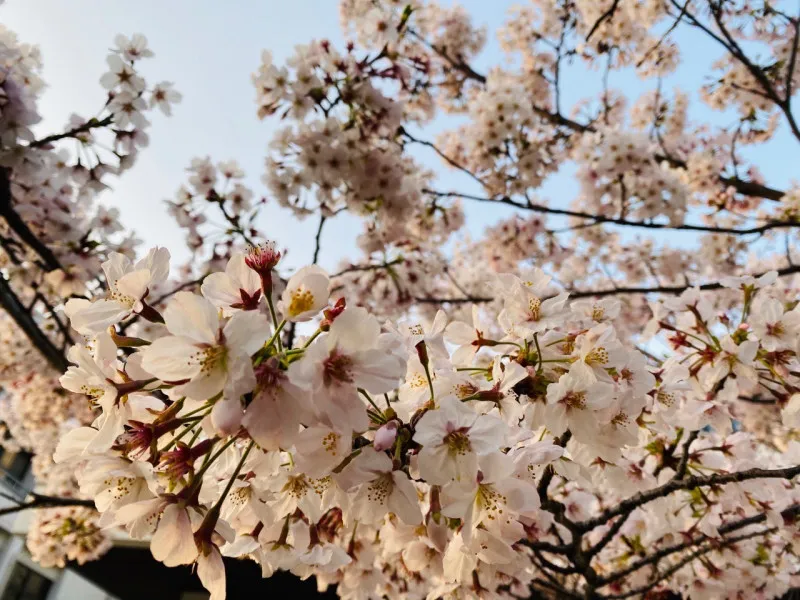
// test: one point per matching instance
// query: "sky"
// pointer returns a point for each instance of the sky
(210, 49)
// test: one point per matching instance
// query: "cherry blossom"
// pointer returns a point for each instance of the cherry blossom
(594, 395)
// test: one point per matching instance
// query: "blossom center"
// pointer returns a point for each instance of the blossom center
(666, 398)
(92, 392)
(379, 489)
(416, 330)
(336, 369)
(329, 443)
(598, 356)
(457, 442)
(621, 419)
(775, 329)
(574, 400)
(534, 309)
(116, 295)
(209, 358)
(302, 301)
(417, 381)
(490, 501)
(465, 390)
(120, 487)
(296, 486)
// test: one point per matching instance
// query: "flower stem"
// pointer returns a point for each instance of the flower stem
(274, 322)
(364, 393)
(430, 380)
(199, 475)
(234, 476)
(276, 335)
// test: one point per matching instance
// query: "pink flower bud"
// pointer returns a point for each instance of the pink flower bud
(385, 436)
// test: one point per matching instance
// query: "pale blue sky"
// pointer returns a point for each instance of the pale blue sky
(209, 50)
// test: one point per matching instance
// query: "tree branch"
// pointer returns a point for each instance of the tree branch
(318, 239)
(606, 15)
(685, 561)
(680, 472)
(662, 553)
(538, 208)
(667, 289)
(689, 483)
(16, 310)
(88, 126)
(41, 501)
(617, 291)
(19, 227)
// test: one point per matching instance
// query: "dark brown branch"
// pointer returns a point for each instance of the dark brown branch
(686, 560)
(19, 227)
(362, 268)
(441, 154)
(684, 463)
(689, 483)
(665, 36)
(792, 61)
(318, 239)
(662, 553)
(17, 311)
(606, 15)
(538, 208)
(467, 300)
(40, 501)
(617, 291)
(747, 188)
(666, 289)
(556, 588)
(609, 535)
(75, 132)
(733, 47)
(552, 566)
(458, 65)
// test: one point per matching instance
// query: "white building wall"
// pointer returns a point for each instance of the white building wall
(67, 585)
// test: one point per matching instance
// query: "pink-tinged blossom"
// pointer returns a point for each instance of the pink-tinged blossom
(353, 354)
(306, 294)
(452, 437)
(206, 355)
(128, 287)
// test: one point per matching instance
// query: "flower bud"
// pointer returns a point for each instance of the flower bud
(263, 259)
(331, 314)
(385, 436)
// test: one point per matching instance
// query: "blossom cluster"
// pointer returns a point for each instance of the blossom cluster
(54, 238)
(410, 459)
(52, 190)
(593, 413)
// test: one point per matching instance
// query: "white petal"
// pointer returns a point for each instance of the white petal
(192, 316)
(242, 275)
(227, 416)
(93, 317)
(173, 542)
(403, 501)
(355, 329)
(240, 377)
(134, 284)
(211, 571)
(157, 262)
(73, 443)
(246, 332)
(168, 358)
(220, 290)
(116, 266)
